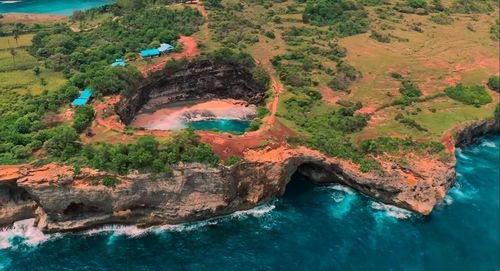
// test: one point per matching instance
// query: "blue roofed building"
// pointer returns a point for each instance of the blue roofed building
(165, 47)
(150, 52)
(84, 97)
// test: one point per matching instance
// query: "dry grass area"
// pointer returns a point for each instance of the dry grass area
(440, 56)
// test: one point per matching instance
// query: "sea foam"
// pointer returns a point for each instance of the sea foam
(22, 232)
(390, 210)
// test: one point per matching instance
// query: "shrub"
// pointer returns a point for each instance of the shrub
(110, 181)
(254, 125)
(441, 19)
(232, 160)
(494, 83)
(345, 17)
(261, 76)
(410, 123)
(270, 35)
(82, 117)
(409, 89)
(380, 37)
(474, 95)
(262, 112)
(417, 3)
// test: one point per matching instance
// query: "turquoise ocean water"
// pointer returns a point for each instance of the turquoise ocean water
(49, 6)
(310, 228)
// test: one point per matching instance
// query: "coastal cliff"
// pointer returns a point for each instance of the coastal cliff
(199, 80)
(470, 133)
(62, 201)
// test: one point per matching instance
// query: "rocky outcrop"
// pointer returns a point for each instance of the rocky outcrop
(195, 191)
(15, 203)
(62, 201)
(200, 80)
(472, 132)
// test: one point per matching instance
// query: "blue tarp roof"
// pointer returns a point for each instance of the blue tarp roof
(86, 94)
(84, 97)
(165, 47)
(80, 101)
(150, 52)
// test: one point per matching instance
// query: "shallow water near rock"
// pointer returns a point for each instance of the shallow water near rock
(50, 6)
(310, 228)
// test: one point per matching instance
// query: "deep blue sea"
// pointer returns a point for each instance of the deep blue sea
(310, 228)
(49, 6)
(225, 125)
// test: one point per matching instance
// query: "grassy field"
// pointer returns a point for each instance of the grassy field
(433, 56)
(440, 56)
(16, 74)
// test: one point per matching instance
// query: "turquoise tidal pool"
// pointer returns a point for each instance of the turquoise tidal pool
(309, 228)
(224, 125)
(50, 6)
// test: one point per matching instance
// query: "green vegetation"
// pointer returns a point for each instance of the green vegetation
(496, 115)
(474, 95)
(82, 117)
(232, 160)
(108, 181)
(343, 17)
(468, 6)
(395, 145)
(84, 57)
(24, 128)
(147, 154)
(409, 89)
(494, 83)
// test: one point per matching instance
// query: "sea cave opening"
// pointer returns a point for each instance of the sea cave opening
(307, 177)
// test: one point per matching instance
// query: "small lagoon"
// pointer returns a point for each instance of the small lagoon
(224, 125)
(49, 6)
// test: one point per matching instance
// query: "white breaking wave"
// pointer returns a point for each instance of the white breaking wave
(489, 144)
(9, 2)
(258, 211)
(342, 188)
(134, 231)
(25, 230)
(461, 155)
(391, 211)
(32, 236)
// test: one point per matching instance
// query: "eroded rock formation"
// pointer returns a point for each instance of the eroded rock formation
(62, 201)
(200, 80)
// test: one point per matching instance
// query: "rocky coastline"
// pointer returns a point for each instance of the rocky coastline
(61, 201)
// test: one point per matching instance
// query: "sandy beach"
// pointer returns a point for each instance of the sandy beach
(174, 117)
